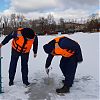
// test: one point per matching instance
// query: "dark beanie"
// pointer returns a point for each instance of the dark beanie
(28, 33)
(48, 48)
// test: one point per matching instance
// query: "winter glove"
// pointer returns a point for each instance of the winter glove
(47, 70)
(35, 55)
(1, 45)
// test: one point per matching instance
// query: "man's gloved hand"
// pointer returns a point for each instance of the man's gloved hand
(1, 45)
(35, 55)
(47, 70)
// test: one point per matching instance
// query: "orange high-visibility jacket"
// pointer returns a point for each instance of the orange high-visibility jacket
(59, 51)
(18, 42)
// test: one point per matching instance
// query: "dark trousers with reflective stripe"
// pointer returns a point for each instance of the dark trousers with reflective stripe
(24, 65)
(68, 67)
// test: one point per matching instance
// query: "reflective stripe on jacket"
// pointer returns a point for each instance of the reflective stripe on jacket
(59, 51)
(20, 44)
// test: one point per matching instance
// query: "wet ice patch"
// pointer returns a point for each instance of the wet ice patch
(41, 90)
(84, 87)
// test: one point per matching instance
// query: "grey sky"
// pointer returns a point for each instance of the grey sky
(60, 8)
(53, 5)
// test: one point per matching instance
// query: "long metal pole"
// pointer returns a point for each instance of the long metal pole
(0, 73)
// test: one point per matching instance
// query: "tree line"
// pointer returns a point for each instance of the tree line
(49, 25)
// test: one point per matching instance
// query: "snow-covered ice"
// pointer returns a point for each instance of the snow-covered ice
(86, 84)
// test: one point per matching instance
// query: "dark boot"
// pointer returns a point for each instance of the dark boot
(11, 83)
(63, 81)
(26, 83)
(64, 89)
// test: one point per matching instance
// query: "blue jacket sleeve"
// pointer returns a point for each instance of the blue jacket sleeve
(48, 60)
(35, 45)
(79, 54)
(8, 38)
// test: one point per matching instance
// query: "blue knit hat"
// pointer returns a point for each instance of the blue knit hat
(28, 33)
(48, 48)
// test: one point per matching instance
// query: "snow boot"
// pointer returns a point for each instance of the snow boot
(63, 81)
(11, 83)
(26, 83)
(64, 89)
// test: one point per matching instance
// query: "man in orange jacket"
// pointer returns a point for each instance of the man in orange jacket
(71, 56)
(23, 39)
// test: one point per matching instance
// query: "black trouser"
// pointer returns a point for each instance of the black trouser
(68, 67)
(24, 65)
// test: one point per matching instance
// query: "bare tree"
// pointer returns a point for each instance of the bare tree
(12, 21)
(51, 23)
(0, 22)
(5, 20)
(7, 28)
(93, 23)
(61, 24)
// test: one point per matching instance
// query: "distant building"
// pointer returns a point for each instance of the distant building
(74, 27)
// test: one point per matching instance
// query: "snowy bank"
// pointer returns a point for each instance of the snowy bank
(86, 85)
